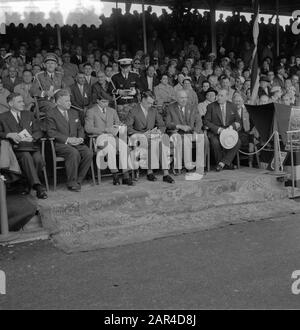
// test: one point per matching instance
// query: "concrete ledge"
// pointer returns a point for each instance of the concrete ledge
(106, 215)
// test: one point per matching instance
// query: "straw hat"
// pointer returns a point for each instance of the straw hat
(229, 138)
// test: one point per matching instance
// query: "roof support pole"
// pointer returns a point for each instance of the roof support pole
(212, 7)
(277, 28)
(144, 27)
(58, 31)
(117, 26)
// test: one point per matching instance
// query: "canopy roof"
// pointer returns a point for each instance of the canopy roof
(286, 7)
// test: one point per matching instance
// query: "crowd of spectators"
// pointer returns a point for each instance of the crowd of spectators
(178, 46)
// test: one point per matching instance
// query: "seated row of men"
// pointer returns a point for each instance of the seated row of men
(64, 125)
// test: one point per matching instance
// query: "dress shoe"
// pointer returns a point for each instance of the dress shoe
(151, 177)
(128, 181)
(168, 179)
(116, 180)
(75, 188)
(41, 194)
(219, 168)
(40, 191)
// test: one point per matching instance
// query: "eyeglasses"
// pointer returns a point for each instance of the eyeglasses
(137, 63)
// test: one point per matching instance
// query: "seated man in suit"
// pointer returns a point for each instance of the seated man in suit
(144, 119)
(222, 114)
(101, 119)
(13, 123)
(63, 124)
(81, 95)
(185, 119)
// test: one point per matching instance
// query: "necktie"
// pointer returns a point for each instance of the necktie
(104, 111)
(19, 117)
(81, 89)
(65, 112)
(223, 114)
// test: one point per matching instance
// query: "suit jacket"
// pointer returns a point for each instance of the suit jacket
(213, 117)
(8, 84)
(263, 92)
(93, 81)
(192, 118)
(79, 100)
(96, 122)
(137, 122)
(144, 83)
(75, 60)
(8, 124)
(42, 82)
(98, 92)
(61, 129)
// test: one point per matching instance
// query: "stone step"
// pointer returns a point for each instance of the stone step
(104, 216)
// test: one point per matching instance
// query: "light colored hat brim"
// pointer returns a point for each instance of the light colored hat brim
(229, 138)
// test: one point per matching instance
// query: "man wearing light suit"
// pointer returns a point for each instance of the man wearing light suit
(185, 119)
(220, 115)
(145, 119)
(100, 120)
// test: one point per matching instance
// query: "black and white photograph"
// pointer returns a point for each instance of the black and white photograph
(150, 158)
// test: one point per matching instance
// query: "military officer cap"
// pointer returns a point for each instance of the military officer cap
(125, 61)
(51, 57)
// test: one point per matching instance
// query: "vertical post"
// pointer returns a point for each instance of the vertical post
(144, 27)
(58, 37)
(212, 5)
(292, 167)
(5, 235)
(277, 28)
(117, 25)
(3, 208)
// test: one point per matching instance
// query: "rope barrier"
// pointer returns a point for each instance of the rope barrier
(256, 152)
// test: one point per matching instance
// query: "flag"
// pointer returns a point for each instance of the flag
(254, 60)
(2, 22)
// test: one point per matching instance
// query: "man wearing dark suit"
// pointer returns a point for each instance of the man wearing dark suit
(63, 124)
(78, 58)
(100, 90)
(89, 79)
(144, 119)
(12, 123)
(149, 80)
(81, 96)
(12, 80)
(220, 115)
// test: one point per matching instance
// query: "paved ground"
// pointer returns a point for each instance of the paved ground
(242, 266)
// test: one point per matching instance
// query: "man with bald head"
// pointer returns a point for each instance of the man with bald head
(222, 114)
(181, 117)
